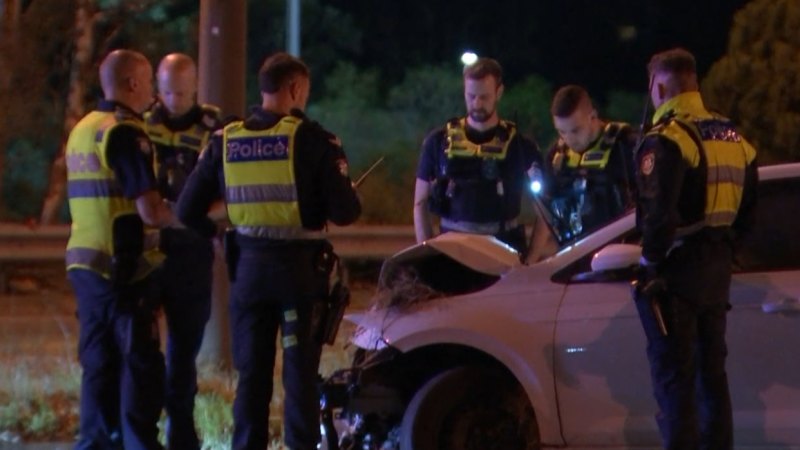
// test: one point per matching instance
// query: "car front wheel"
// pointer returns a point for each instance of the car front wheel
(469, 408)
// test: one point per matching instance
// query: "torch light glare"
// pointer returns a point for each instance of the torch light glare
(536, 186)
(469, 58)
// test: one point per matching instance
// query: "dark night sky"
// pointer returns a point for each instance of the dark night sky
(567, 41)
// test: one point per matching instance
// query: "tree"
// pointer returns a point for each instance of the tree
(79, 74)
(756, 83)
(9, 25)
(625, 106)
(355, 111)
(528, 104)
(32, 59)
(99, 26)
(328, 37)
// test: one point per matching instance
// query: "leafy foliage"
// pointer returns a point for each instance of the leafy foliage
(625, 106)
(374, 112)
(528, 104)
(756, 83)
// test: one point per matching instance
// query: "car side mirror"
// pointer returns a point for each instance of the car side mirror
(615, 262)
(616, 256)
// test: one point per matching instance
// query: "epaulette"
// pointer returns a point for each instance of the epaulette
(156, 114)
(210, 117)
(229, 119)
(612, 132)
(508, 128)
(666, 118)
(209, 108)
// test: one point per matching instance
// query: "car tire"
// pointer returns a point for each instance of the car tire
(469, 408)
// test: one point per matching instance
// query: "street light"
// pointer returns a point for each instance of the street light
(468, 58)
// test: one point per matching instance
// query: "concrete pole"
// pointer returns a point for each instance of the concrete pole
(221, 65)
(222, 61)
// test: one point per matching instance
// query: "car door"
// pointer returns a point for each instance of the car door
(600, 365)
(602, 376)
(764, 323)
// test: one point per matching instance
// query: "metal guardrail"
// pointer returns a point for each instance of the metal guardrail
(21, 243)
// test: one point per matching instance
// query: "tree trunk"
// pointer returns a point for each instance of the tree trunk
(85, 18)
(8, 37)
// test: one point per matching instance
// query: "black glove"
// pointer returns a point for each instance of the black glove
(649, 282)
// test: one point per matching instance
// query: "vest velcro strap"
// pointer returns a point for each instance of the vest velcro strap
(257, 193)
(279, 232)
(93, 189)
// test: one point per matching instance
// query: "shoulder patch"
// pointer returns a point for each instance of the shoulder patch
(209, 122)
(648, 162)
(145, 146)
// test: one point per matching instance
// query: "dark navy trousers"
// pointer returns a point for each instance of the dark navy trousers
(185, 291)
(276, 287)
(687, 366)
(123, 369)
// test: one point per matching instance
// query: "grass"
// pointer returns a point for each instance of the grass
(39, 398)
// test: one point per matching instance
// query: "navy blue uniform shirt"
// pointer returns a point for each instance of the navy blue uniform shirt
(522, 154)
(129, 152)
(324, 190)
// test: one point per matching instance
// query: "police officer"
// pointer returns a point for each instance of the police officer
(112, 196)
(180, 129)
(589, 170)
(283, 177)
(696, 179)
(472, 171)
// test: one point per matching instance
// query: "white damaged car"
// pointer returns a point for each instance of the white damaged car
(499, 355)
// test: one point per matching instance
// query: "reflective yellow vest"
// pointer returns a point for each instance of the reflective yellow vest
(459, 146)
(194, 138)
(96, 199)
(594, 158)
(702, 135)
(260, 190)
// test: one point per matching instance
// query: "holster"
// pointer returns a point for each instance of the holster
(654, 292)
(438, 202)
(232, 252)
(128, 243)
(335, 303)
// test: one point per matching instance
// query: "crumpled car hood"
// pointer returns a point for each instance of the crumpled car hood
(483, 254)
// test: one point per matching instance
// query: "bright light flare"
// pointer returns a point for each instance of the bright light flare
(469, 58)
(536, 186)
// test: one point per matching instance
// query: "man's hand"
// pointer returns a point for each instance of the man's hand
(155, 212)
(649, 282)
